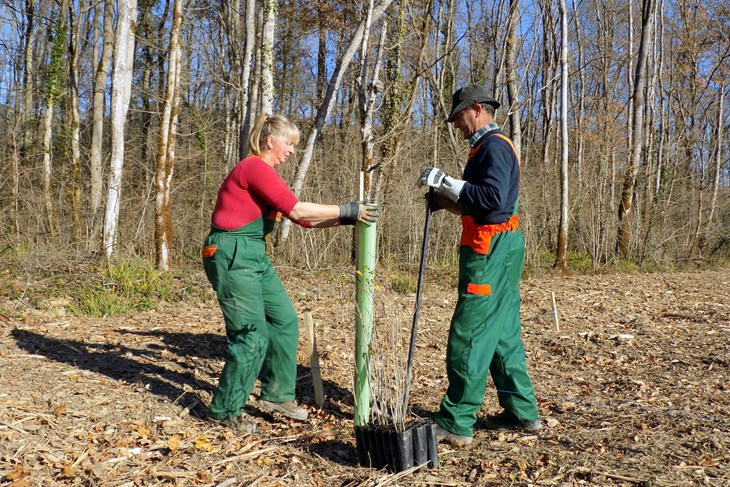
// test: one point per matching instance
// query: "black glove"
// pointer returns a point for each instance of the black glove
(439, 202)
(353, 212)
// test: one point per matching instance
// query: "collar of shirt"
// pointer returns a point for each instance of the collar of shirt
(479, 133)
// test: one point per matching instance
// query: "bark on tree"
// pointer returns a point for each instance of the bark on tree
(165, 160)
(324, 110)
(267, 56)
(627, 192)
(96, 159)
(121, 95)
(718, 156)
(561, 255)
(367, 92)
(54, 89)
(512, 79)
(395, 116)
(29, 74)
(247, 64)
(74, 118)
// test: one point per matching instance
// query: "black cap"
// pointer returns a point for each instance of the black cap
(468, 96)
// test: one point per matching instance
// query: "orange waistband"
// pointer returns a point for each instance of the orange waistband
(479, 237)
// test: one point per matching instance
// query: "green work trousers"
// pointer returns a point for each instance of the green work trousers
(262, 327)
(485, 337)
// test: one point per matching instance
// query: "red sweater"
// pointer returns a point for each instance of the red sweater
(250, 191)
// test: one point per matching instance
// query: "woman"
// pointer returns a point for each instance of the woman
(262, 327)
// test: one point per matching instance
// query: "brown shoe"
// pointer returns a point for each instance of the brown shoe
(238, 424)
(452, 438)
(288, 409)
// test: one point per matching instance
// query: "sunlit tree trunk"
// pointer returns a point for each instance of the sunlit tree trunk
(718, 155)
(28, 75)
(246, 63)
(166, 145)
(512, 79)
(55, 84)
(74, 119)
(627, 192)
(324, 110)
(561, 255)
(579, 117)
(399, 97)
(267, 56)
(121, 95)
(368, 89)
(96, 158)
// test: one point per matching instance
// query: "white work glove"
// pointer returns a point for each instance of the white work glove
(435, 178)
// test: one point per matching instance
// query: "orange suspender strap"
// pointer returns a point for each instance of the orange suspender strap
(509, 141)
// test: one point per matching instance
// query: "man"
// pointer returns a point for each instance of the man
(485, 329)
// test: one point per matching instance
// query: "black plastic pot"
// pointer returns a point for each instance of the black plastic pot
(397, 450)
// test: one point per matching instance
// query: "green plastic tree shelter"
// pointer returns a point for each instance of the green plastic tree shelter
(365, 289)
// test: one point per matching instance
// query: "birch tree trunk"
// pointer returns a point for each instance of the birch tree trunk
(324, 109)
(267, 57)
(96, 159)
(165, 160)
(627, 192)
(367, 92)
(120, 98)
(561, 256)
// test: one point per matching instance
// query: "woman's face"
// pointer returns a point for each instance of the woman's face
(278, 150)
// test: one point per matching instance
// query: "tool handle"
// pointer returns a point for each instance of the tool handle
(419, 286)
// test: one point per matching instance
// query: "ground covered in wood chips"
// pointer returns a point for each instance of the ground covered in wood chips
(634, 389)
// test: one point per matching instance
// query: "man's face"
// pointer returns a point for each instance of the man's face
(466, 121)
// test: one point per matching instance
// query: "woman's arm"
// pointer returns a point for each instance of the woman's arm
(318, 215)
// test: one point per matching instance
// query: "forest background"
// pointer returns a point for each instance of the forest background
(120, 119)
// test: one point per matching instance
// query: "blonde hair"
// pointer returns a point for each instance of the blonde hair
(275, 125)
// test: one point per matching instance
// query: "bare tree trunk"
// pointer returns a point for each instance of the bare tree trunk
(47, 165)
(512, 81)
(581, 99)
(322, 11)
(561, 255)
(630, 82)
(15, 183)
(75, 122)
(97, 132)
(121, 96)
(166, 145)
(627, 193)
(394, 116)
(267, 56)
(326, 106)
(718, 156)
(246, 106)
(28, 76)
(367, 92)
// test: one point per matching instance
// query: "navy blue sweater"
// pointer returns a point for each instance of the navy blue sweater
(492, 178)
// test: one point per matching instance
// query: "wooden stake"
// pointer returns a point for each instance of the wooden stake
(555, 313)
(314, 360)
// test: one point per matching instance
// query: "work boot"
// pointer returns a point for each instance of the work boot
(238, 424)
(288, 409)
(452, 438)
(508, 421)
